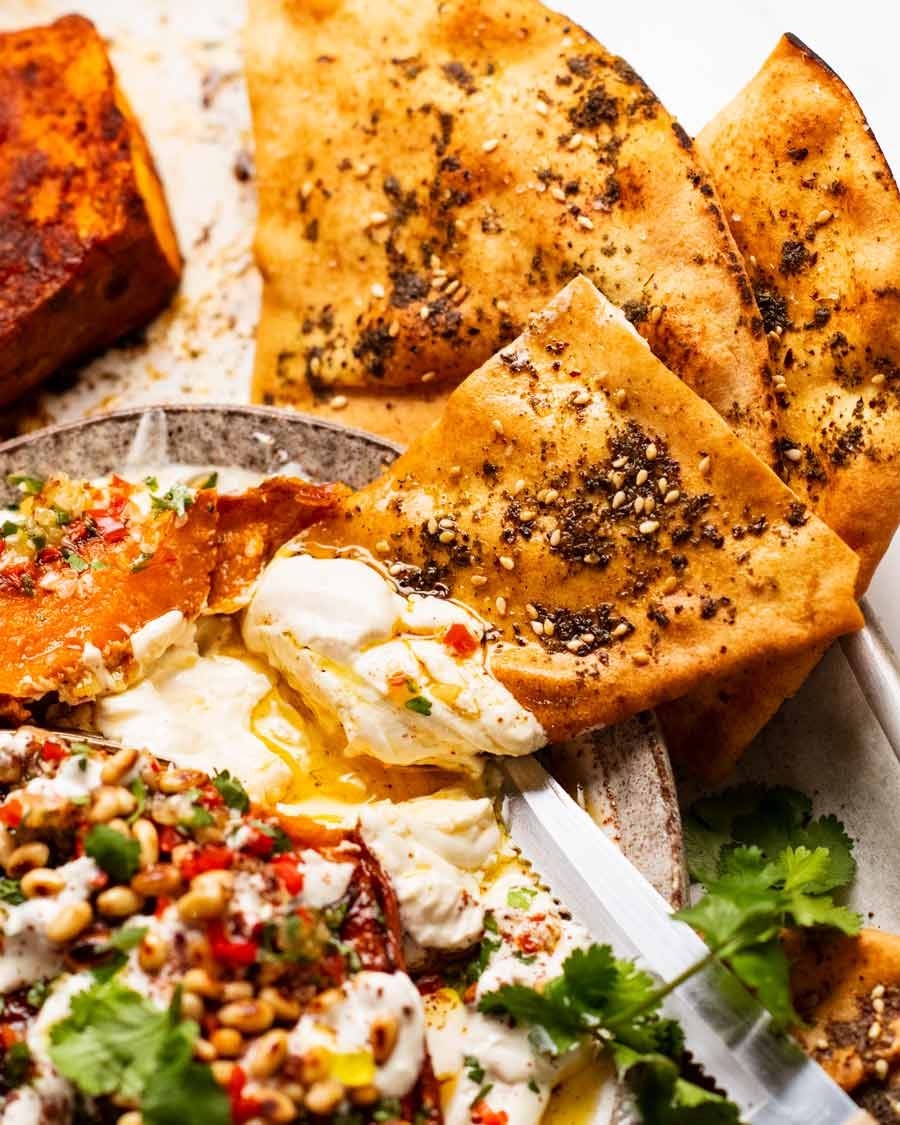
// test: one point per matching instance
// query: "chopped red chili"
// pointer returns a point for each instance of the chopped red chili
(237, 954)
(112, 529)
(53, 751)
(11, 813)
(460, 640)
(285, 867)
(210, 857)
(259, 844)
(482, 1114)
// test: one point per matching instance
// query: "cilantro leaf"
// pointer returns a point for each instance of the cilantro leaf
(76, 562)
(764, 968)
(519, 898)
(555, 1026)
(177, 499)
(31, 486)
(11, 891)
(665, 1098)
(419, 704)
(231, 791)
(17, 1064)
(117, 855)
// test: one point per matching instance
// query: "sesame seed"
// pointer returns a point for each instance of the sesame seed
(555, 537)
(735, 217)
(549, 627)
(878, 379)
(424, 312)
(620, 630)
(460, 296)
(617, 479)
(507, 562)
(656, 314)
(877, 992)
(435, 262)
(497, 426)
(432, 526)
(447, 522)
(621, 397)
(878, 1006)
(518, 486)
(821, 1044)
(478, 580)
(377, 219)
(650, 452)
(500, 604)
(490, 145)
(584, 221)
(306, 190)
(574, 645)
(823, 216)
(648, 527)
(538, 627)
(527, 516)
(881, 1068)
(618, 500)
(575, 141)
(641, 658)
(531, 611)
(641, 477)
(794, 454)
(338, 402)
(502, 306)
(582, 398)
(429, 377)
(663, 485)
(551, 496)
(452, 287)
(382, 546)
(395, 569)
(378, 290)
(620, 463)
(446, 536)
(394, 328)
(671, 496)
(670, 585)
(704, 466)
(590, 558)
(638, 505)
(455, 470)
(558, 194)
(315, 365)
(587, 638)
(649, 504)
(874, 1031)
(541, 106)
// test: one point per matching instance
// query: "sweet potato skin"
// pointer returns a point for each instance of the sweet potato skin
(87, 249)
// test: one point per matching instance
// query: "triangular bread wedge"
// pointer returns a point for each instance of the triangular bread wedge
(623, 542)
(431, 171)
(816, 213)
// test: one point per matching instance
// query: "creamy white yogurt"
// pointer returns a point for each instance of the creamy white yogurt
(324, 882)
(361, 653)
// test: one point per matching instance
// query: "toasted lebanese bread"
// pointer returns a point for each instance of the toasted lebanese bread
(431, 172)
(252, 526)
(842, 986)
(818, 220)
(630, 608)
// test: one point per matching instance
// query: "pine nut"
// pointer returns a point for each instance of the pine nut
(199, 981)
(27, 857)
(108, 804)
(117, 824)
(160, 879)
(284, 1009)
(115, 768)
(227, 1041)
(132, 1117)
(6, 847)
(248, 1016)
(272, 1104)
(315, 1065)
(147, 837)
(178, 781)
(69, 922)
(192, 1006)
(324, 1097)
(222, 1070)
(199, 905)
(268, 1053)
(238, 990)
(364, 1095)
(383, 1038)
(152, 952)
(119, 902)
(41, 882)
(204, 1050)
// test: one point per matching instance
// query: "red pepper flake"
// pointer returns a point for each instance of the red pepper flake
(285, 867)
(8, 1035)
(211, 857)
(169, 838)
(112, 529)
(460, 641)
(259, 844)
(210, 797)
(11, 813)
(162, 905)
(53, 751)
(242, 1109)
(235, 954)
(49, 555)
(482, 1114)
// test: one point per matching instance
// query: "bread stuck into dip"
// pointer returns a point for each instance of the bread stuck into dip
(87, 248)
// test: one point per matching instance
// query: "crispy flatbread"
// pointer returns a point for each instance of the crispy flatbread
(842, 986)
(816, 213)
(431, 172)
(625, 544)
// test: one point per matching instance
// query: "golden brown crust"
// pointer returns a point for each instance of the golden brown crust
(842, 987)
(430, 173)
(254, 524)
(87, 249)
(47, 631)
(527, 462)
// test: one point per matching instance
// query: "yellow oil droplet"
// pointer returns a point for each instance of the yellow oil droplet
(577, 1100)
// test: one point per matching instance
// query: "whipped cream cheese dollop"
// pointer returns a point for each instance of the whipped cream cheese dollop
(407, 678)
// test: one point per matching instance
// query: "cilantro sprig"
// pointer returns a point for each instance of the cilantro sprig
(177, 499)
(116, 854)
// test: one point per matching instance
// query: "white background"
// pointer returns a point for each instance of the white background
(697, 55)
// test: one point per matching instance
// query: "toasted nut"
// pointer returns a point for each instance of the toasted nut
(119, 825)
(315, 1065)
(6, 846)
(204, 1050)
(324, 1097)
(111, 801)
(284, 1009)
(268, 1053)
(191, 1006)
(69, 922)
(115, 768)
(227, 1041)
(42, 882)
(364, 1095)
(326, 1000)
(222, 1070)
(198, 905)
(200, 981)
(383, 1037)
(26, 857)
(119, 902)
(132, 1117)
(248, 1016)
(179, 781)
(152, 952)
(237, 990)
(148, 839)
(159, 879)
(272, 1104)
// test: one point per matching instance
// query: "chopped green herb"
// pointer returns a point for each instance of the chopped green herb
(178, 499)
(37, 994)
(389, 1109)
(231, 791)
(99, 564)
(142, 561)
(520, 897)
(419, 704)
(31, 486)
(76, 562)
(211, 481)
(533, 1086)
(117, 855)
(280, 838)
(63, 518)
(80, 800)
(139, 792)
(38, 541)
(11, 891)
(8, 528)
(152, 483)
(474, 1069)
(114, 955)
(17, 1064)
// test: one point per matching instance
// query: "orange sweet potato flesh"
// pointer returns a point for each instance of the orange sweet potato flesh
(87, 249)
(46, 633)
(254, 524)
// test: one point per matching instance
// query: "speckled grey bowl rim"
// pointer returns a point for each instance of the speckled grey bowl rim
(622, 775)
